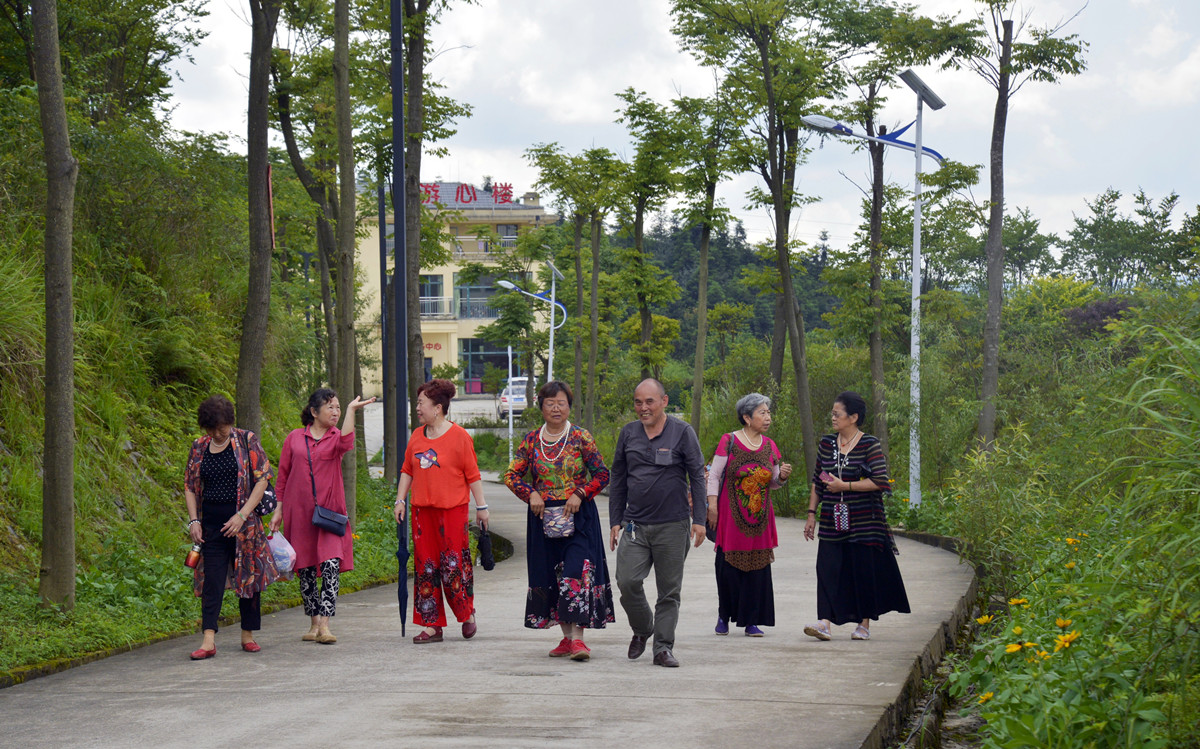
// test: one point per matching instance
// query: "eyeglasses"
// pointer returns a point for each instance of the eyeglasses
(836, 415)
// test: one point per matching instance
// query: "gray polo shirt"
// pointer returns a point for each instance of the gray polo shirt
(649, 479)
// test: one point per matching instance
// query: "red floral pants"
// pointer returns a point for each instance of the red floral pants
(441, 565)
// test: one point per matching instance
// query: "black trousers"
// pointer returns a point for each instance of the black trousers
(219, 552)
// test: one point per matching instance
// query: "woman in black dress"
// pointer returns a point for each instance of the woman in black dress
(857, 575)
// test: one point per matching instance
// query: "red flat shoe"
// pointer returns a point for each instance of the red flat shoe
(469, 630)
(251, 647)
(200, 654)
(424, 637)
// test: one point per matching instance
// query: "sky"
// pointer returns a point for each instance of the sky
(539, 71)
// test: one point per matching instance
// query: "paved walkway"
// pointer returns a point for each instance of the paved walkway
(375, 688)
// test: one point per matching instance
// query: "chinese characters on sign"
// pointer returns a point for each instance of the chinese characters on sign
(502, 193)
(433, 347)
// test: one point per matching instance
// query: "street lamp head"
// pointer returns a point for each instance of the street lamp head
(826, 124)
(505, 284)
(913, 81)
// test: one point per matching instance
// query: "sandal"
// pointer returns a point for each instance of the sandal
(818, 630)
(861, 633)
(425, 638)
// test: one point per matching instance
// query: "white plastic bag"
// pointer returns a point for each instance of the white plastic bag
(282, 551)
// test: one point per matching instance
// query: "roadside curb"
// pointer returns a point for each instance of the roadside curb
(896, 715)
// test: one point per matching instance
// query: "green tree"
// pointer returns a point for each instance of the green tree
(706, 130)
(650, 179)
(1026, 250)
(781, 56)
(56, 579)
(116, 57)
(652, 355)
(890, 39)
(1118, 251)
(1008, 64)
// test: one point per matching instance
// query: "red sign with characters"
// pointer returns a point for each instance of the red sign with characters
(429, 192)
(502, 192)
(465, 194)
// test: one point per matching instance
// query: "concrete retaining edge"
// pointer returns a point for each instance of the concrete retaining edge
(887, 728)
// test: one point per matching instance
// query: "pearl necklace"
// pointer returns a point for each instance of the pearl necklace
(559, 440)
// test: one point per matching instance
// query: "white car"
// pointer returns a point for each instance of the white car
(512, 398)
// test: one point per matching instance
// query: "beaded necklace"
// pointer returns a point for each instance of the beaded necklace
(559, 440)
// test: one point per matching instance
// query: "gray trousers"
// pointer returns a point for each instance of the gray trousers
(663, 547)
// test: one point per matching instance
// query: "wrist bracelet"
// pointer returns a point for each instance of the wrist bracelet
(240, 515)
(480, 509)
(191, 522)
(812, 512)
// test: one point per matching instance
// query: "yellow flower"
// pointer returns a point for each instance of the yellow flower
(1017, 601)
(1043, 654)
(986, 696)
(1071, 541)
(985, 619)
(355, 536)
(905, 499)
(1012, 647)
(1062, 623)
(1017, 630)
(1064, 641)
(1030, 644)
(1070, 565)
(1083, 534)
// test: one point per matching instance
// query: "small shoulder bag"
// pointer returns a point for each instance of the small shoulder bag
(323, 517)
(269, 501)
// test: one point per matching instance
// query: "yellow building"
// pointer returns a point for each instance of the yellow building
(452, 312)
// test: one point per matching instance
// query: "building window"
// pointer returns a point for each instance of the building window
(473, 301)
(475, 354)
(433, 298)
(390, 234)
(507, 234)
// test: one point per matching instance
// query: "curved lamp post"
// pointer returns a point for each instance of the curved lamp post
(831, 126)
(554, 304)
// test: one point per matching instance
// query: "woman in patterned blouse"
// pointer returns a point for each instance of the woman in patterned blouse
(226, 476)
(568, 574)
(857, 575)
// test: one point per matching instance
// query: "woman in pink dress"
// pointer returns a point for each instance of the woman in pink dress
(310, 470)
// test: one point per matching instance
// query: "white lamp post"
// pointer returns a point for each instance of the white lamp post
(506, 284)
(829, 125)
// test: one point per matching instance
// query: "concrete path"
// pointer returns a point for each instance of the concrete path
(375, 688)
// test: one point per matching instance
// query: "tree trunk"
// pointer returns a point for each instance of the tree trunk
(347, 352)
(710, 193)
(878, 386)
(590, 420)
(391, 417)
(326, 212)
(326, 255)
(416, 13)
(646, 327)
(360, 417)
(56, 576)
(579, 220)
(994, 251)
(263, 16)
(778, 340)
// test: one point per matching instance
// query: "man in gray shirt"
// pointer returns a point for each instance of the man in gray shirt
(656, 462)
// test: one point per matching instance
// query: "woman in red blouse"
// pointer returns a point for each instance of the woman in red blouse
(227, 473)
(441, 469)
(310, 470)
(568, 574)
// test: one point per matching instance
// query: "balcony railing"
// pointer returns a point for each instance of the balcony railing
(480, 249)
(444, 307)
(437, 306)
(475, 309)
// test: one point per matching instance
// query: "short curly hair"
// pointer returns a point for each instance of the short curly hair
(440, 392)
(215, 411)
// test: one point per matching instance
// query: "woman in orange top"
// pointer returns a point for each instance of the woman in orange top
(441, 469)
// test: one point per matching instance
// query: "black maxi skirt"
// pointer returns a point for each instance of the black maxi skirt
(744, 598)
(568, 577)
(856, 582)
